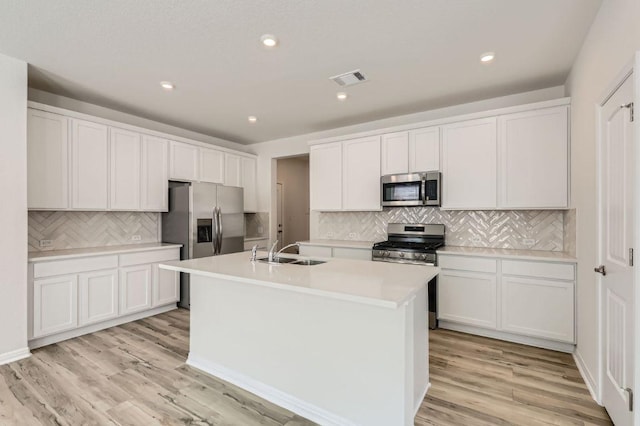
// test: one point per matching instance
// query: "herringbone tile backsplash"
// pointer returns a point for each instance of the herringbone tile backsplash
(521, 229)
(69, 230)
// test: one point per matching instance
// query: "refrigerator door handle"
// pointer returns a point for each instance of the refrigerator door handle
(214, 230)
(219, 230)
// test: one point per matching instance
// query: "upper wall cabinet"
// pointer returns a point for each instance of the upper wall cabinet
(233, 170)
(211, 165)
(154, 177)
(184, 160)
(469, 174)
(361, 174)
(89, 166)
(249, 183)
(47, 157)
(124, 188)
(325, 176)
(412, 151)
(533, 159)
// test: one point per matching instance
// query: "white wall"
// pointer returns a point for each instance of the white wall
(298, 145)
(610, 44)
(111, 114)
(293, 174)
(13, 211)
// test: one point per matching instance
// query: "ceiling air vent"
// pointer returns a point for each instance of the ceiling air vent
(349, 78)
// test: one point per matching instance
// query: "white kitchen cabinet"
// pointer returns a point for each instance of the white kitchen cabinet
(135, 289)
(48, 161)
(325, 176)
(469, 164)
(533, 152)
(424, 150)
(211, 165)
(538, 308)
(361, 174)
(154, 174)
(124, 188)
(395, 153)
(55, 305)
(166, 286)
(232, 170)
(184, 161)
(89, 166)
(98, 296)
(468, 298)
(249, 165)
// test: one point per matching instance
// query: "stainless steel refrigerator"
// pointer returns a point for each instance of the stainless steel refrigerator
(207, 219)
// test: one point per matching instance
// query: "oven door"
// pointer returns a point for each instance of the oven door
(402, 190)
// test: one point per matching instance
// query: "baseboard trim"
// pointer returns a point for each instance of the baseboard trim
(271, 394)
(510, 337)
(587, 376)
(16, 355)
(419, 402)
(76, 332)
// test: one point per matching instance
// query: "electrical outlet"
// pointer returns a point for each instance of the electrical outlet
(136, 238)
(476, 239)
(329, 235)
(528, 242)
(353, 235)
(45, 243)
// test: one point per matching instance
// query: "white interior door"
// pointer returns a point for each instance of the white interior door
(616, 236)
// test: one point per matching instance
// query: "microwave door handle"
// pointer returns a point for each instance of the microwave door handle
(423, 190)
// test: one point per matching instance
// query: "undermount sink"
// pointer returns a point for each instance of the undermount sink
(279, 260)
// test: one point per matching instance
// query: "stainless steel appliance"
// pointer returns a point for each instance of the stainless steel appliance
(410, 189)
(414, 244)
(207, 219)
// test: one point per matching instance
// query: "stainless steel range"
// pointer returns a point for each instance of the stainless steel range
(414, 243)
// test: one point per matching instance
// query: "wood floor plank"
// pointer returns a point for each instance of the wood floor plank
(135, 374)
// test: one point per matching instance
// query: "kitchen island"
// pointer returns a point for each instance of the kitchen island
(343, 342)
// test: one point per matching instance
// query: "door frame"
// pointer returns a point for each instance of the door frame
(632, 71)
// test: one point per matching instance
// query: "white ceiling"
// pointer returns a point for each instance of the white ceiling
(418, 55)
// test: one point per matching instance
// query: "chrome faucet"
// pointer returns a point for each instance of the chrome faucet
(254, 253)
(273, 247)
(283, 249)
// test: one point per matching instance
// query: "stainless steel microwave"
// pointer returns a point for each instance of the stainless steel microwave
(410, 189)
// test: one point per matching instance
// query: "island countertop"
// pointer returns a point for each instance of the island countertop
(381, 284)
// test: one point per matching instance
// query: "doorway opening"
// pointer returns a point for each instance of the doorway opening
(292, 205)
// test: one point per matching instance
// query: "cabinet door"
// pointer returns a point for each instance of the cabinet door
(469, 163)
(249, 184)
(395, 153)
(135, 289)
(211, 165)
(166, 286)
(98, 295)
(232, 170)
(55, 305)
(424, 150)
(539, 308)
(124, 191)
(183, 161)
(325, 176)
(467, 298)
(155, 179)
(533, 151)
(89, 166)
(47, 160)
(361, 174)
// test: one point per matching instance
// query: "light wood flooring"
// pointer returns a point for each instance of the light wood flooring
(135, 374)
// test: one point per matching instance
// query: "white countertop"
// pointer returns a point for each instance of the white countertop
(41, 256)
(383, 284)
(339, 243)
(548, 256)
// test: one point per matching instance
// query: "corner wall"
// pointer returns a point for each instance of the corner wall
(13, 211)
(609, 46)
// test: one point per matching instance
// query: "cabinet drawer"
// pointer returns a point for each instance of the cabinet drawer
(318, 251)
(352, 253)
(559, 271)
(71, 266)
(149, 257)
(463, 263)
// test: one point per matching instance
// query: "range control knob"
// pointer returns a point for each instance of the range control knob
(401, 254)
(386, 253)
(423, 256)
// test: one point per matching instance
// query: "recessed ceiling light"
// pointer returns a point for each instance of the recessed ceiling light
(167, 85)
(269, 40)
(252, 119)
(341, 96)
(487, 57)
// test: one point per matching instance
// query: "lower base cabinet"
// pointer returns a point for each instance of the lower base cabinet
(67, 295)
(534, 299)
